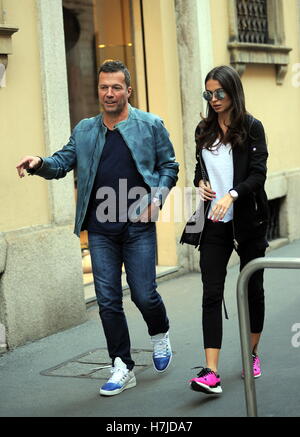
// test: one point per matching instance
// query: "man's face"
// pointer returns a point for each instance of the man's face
(113, 92)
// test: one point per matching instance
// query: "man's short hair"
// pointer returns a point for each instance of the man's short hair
(111, 66)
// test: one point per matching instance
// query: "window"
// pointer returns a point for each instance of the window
(252, 21)
(6, 33)
(273, 230)
(257, 35)
(116, 41)
(97, 30)
(90, 39)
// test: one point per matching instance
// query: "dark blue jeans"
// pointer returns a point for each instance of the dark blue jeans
(136, 248)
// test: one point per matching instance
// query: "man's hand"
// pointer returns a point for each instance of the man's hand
(28, 162)
(150, 214)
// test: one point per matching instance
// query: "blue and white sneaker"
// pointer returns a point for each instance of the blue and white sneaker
(162, 352)
(121, 379)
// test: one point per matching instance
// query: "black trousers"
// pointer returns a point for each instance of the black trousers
(215, 250)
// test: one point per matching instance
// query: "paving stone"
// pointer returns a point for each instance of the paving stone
(96, 364)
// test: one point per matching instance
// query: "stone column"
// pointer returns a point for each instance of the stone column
(55, 102)
(41, 282)
(194, 41)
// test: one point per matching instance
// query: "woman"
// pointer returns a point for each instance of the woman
(230, 173)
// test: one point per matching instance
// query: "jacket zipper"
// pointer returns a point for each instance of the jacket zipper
(133, 157)
(255, 202)
(138, 169)
(205, 212)
(206, 179)
(235, 242)
(83, 212)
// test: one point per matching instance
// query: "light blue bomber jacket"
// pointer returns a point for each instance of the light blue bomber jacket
(147, 140)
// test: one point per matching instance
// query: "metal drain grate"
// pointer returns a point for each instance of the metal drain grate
(96, 364)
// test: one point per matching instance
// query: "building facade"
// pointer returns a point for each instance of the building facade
(50, 51)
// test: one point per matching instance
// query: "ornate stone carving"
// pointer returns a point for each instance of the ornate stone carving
(6, 33)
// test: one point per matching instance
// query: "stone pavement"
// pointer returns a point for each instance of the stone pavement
(59, 376)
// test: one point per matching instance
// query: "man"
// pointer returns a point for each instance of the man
(119, 154)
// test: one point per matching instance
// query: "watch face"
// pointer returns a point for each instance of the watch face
(233, 194)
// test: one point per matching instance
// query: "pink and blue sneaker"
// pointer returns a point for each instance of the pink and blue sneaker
(255, 366)
(207, 381)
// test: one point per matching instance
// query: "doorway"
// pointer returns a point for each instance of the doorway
(90, 39)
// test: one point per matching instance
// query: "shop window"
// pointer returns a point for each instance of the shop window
(90, 39)
(115, 41)
(273, 230)
(95, 30)
(257, 35)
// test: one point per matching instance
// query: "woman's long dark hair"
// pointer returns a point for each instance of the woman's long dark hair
(209, 129)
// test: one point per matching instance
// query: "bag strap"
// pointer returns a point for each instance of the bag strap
(203, 175)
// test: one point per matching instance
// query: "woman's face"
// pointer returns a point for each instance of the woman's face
(219, 105)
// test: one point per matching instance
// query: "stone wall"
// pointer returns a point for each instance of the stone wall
(41, 290)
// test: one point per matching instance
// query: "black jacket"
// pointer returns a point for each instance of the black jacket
(250, 210)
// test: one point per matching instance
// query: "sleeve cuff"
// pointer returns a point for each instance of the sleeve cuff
(31, 171)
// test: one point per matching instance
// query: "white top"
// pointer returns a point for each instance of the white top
(219, 165)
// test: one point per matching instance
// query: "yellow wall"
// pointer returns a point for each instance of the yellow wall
(21, 113)
(24, 202)
(220, 31)
(277, 106)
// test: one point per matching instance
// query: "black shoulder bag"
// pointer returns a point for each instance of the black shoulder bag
(194, 226)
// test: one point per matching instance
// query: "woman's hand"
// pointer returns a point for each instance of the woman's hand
(206, 193)
(221, 207)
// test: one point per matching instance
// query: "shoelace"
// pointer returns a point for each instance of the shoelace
(255, 359)
(205, 371)
(161, 348)
(117, 374)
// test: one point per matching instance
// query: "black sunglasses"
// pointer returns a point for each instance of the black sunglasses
(219, 94)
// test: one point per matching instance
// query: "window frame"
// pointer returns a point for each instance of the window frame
(274, 53)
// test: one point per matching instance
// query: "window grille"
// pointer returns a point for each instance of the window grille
(252, 21)
(256, 35)
(273, 230)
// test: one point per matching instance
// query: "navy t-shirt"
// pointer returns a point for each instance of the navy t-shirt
(117, 174)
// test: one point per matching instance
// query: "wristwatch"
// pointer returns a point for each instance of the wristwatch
(233, 194)
(156, 201)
